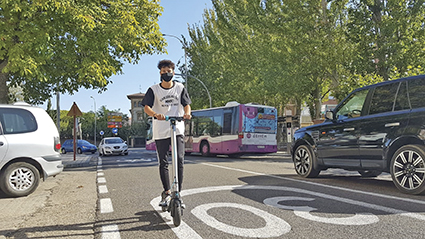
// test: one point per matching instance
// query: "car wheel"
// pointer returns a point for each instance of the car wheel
(205, 149)
(408, 169)
(63, 151)
(304, 162)
(126, 153)
(370, 173)
(19, 179)
(79, 151)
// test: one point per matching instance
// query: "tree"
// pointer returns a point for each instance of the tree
(274, 51)
(389, 35)
(62, 45)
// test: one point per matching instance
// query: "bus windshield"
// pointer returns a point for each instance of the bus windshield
(259, 119)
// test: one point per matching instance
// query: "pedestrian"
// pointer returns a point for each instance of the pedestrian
(168, 98)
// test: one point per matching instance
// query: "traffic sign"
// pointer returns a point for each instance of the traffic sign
(101, 132)
(74, 111)
(114, 130)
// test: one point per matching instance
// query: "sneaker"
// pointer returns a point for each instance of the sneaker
(165, 198)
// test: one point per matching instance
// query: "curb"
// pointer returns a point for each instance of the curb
(78, 163)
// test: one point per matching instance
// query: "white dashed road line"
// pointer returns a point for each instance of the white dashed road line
(105, 205)
(103, 189)
(110, 232)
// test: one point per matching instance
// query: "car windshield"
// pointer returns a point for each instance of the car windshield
(83, 142)
(113, 141)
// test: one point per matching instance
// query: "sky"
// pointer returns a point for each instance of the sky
(176, 17)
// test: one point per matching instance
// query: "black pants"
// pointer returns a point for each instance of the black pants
(162, 148)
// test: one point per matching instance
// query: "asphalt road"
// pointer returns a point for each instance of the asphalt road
(252, 197)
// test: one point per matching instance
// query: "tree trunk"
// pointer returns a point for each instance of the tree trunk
(4, 90)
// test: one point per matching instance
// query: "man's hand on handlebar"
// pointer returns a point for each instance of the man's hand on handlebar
(159, 116)
(163, 117)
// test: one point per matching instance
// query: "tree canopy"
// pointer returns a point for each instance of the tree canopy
(275, 52)
(63, 45)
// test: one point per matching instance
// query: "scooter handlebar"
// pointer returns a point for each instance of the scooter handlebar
(178, 118)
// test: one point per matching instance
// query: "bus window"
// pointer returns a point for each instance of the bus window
(227, 124)
(204, 126)
(217, 126)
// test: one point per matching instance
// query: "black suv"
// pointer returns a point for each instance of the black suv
(377, 128)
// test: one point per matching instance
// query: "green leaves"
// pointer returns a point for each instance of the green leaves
(65, 45)
(276, 52)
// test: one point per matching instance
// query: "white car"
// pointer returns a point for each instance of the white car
(29, 148)
(112, 145)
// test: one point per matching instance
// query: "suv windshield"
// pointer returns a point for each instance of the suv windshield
(352, 106)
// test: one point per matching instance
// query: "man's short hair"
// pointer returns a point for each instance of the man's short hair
(166, 63)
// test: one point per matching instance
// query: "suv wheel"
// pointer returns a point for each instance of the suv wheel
(408, 169)
(370, 173)
(19, 179)
(304, 162)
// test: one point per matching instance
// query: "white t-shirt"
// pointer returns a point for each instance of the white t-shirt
(169, 102)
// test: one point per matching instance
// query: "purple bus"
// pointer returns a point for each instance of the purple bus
(234, 130)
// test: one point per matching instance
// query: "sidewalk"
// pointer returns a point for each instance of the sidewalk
(62, 207)
(81, 160)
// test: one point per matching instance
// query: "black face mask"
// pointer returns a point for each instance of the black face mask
(166, 77)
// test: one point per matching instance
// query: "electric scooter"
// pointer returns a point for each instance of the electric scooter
(174, 206)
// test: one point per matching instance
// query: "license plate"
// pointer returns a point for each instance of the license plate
(261, 147)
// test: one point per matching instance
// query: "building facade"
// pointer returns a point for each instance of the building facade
(138, 115)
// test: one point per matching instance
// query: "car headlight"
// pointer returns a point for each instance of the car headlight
(125, 146)
(107, 147)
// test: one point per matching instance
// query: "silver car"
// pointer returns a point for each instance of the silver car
(29, 148)
(112, 145)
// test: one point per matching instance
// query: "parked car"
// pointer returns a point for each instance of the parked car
(82, 146)
(29, 148)
(113, 145)
(378, 128)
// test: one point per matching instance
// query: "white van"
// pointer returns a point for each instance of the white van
(29, 148)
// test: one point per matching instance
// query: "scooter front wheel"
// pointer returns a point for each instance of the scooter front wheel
(177, 212)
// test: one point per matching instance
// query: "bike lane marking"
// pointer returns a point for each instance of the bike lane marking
(318, 184)
(184, 231)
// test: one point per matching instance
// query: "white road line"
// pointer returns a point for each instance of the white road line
(101, 180)
(318, 184)
(100, 174)
(103, 189)
(106, 205)
(110, 232)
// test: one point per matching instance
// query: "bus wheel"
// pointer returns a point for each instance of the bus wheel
(205, 149)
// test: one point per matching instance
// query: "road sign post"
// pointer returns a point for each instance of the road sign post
(74, 111)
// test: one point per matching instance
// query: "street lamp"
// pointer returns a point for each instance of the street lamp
(94, 120)
(185, 54)
(209, 96)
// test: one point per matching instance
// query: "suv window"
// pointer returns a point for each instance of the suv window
(352, 107)
(15, 121)
(417, 93)
(383, 98)
(402, 101)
